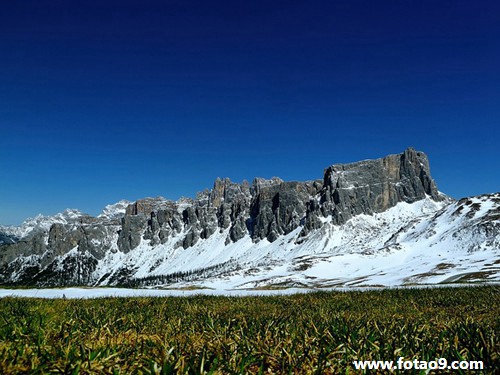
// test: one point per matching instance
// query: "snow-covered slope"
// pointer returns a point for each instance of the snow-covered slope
(422, 242)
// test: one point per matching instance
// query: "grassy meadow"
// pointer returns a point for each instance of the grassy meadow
(314, 333)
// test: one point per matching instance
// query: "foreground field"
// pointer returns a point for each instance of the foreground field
(303, 333)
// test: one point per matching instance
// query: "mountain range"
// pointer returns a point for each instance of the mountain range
(378, 222)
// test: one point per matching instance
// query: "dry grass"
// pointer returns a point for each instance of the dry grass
(318, 333)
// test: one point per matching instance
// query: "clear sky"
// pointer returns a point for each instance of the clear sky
(109, 100)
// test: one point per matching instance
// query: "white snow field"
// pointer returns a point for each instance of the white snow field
(84, 293)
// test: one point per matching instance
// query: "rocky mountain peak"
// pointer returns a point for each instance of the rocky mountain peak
(375, 185)
(146, 206)
(262, 212)
(115, 211)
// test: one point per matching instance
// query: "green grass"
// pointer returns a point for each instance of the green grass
(318, 333)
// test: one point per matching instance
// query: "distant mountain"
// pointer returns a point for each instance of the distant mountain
(41, 223)
(374, 222)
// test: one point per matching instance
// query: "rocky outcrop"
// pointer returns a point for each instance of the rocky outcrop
(269, 208)
(279, 207)
(263, 210)
(371, 186)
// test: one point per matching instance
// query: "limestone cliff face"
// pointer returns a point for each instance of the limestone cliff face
(265, 209)
(270, 208)
(371, 186)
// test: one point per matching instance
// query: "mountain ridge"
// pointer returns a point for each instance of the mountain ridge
(154, 241)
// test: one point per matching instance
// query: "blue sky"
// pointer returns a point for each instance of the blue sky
(109, 100)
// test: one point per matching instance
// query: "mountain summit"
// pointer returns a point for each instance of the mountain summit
(373, 222)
